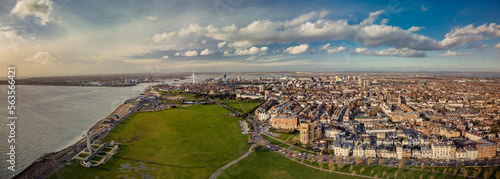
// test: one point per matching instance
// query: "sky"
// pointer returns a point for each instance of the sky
(75, 37)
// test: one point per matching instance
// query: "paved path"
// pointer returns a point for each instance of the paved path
(220, 170)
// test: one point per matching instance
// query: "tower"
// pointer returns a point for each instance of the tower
(194, 81)
(89, 147)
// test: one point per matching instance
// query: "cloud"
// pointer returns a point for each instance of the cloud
(452, 53)
(404, 52)
(165, 57)
(424, 8)
(163, 37)
(142, 61)
(371, 18)
(332, 49)
(297, 49)
(177, 54)
(251, 51)
(10, 38)
(191, 53)
(497, 45)
(206, 52)
(41, 9)
(360, 50)
(251, 58)
(43, 58)
(221, 44)
(152, 18)
(469, 34)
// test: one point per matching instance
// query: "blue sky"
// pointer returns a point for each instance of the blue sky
(70, 37)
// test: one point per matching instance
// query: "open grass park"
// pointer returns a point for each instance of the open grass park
(188, 142)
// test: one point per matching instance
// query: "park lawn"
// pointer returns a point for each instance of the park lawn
(212, 109)
(173, 143)
(83, 155)
(390, 171)
(233, 104)
(274, 141)
(267, 164)
(107, 149)
(249, 105)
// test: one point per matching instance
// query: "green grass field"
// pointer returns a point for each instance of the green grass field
(266, 164)
(174, 143)
(274, 141)
(235, 104)
(210, 109)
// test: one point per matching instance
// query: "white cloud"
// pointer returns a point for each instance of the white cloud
(41, 9)
(9, 38)
(324, 47)
(452, 53)
(206, 52)
(371, 18)
(165, 57)
(251, 51)
(336, 50)
(424, 8)
(152, 18)
(191, 53)
(177, 54)
(163, 36)
(221, 44)
(360, 50)
(404, 52)
(469, 34)
(43, 58)
(497, 45)
(251, 58)
(297, 49)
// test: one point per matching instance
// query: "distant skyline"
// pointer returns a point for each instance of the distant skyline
(70, 37)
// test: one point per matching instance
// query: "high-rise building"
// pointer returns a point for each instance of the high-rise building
(239, 78)
(194, 81)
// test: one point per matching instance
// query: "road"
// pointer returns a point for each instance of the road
(220, 170)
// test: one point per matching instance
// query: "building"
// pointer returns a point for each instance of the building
(370, 152)
(485, 149)
(284, 122)
(443, 151)
(399, 151)
(358, 151)
(309, 131)
(471, 153)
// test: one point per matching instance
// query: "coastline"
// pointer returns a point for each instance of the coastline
(46, 162)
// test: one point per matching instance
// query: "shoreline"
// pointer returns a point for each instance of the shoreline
(46, 161)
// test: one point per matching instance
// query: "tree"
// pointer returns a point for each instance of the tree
(339, 159)
(330, 164)
(250, 139)
(332, 168)
(352, 167)
(371, 173)
(320, 160)
(358, 160)
(375, 176)
(431, 177)
(497, 175)
(422, 167)
(464, 171)
(340, 166)
(396, 174)
(353, 173)
(296, 154)
(433, 170)
(445, 170)
(487, 173)
(421, 176)
(361, 170)
(380, 161)
(383, 173)
(370, 160)
(309, 157)
(348, 159)
(475, 173)
(401, 163)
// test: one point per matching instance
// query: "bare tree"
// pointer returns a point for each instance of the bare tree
(375, 176)
(445, 170)
(455, 171)
(431, 177)
(421, 176)
(487, 173)
(340, 166)
(352, 167)
(396, 174)
(332, 168)
(358, 160)
(383, 173)
(348, 159)
(497, 175)
(401, 163)
(422, 167)
(464, 171)
(370, 160)
(339, 159)
(361, 170)
(319, 159)
(353, 173)
(475, 173)
(371, 173)
(380, 161)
